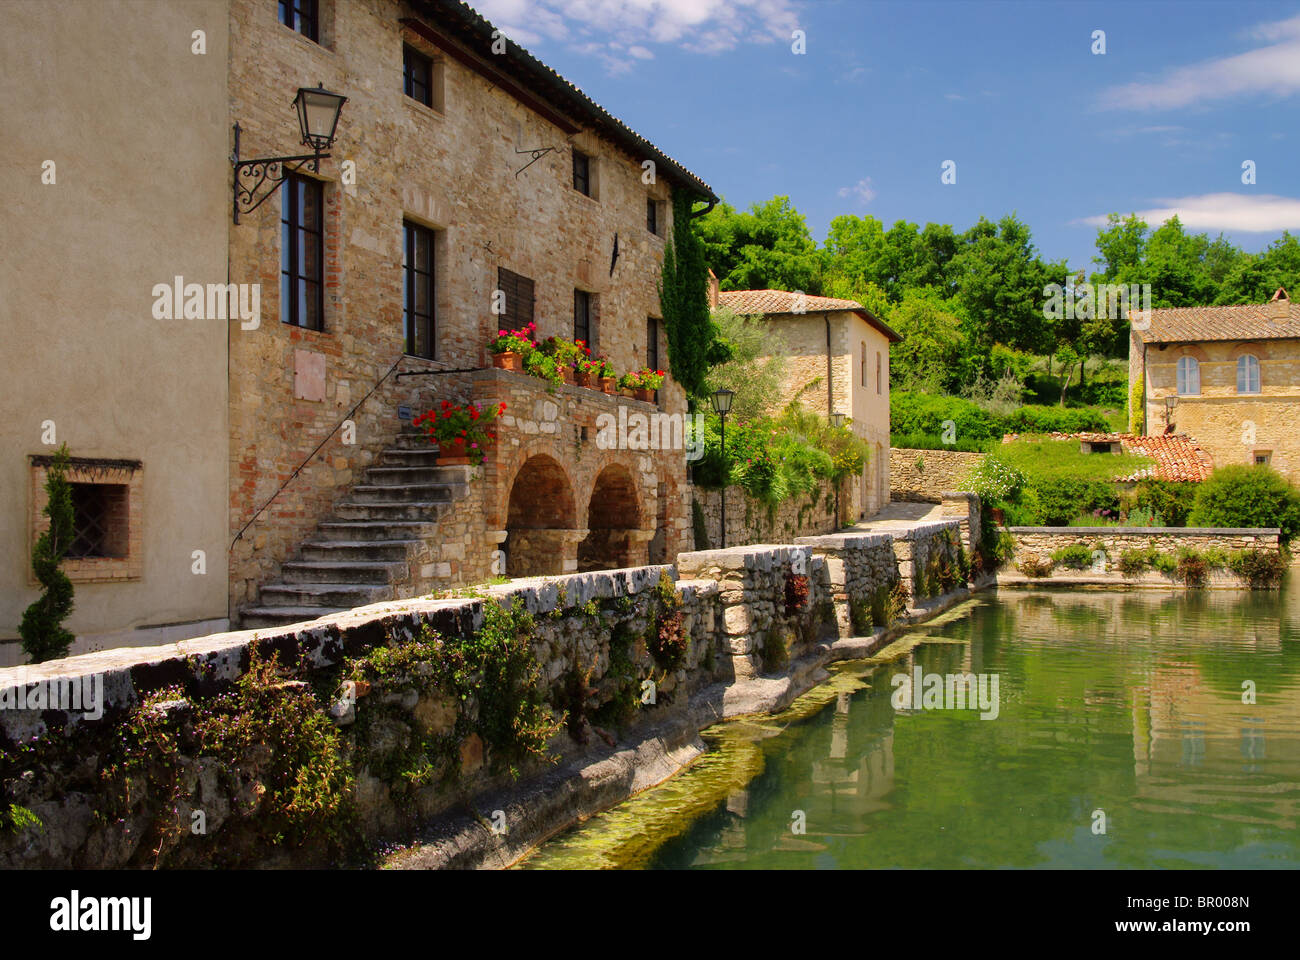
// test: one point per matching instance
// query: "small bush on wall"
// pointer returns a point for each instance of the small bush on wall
(1247, 496)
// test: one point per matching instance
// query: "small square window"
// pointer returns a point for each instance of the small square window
(99, 520)
(1263, 458)
(417, 76)
(582, 173)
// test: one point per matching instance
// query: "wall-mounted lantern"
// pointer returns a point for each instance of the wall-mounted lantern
(318, 120)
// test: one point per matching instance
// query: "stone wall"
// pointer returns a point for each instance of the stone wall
(1036, 545)
(751, 521)
(925, 475)
(451, 170)
(748, 615)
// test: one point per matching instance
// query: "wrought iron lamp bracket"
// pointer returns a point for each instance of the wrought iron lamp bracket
(251, 175)
(537, 155)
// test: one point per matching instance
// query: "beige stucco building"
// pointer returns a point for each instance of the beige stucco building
(1227, 376)
(116, 180)
(837, 360)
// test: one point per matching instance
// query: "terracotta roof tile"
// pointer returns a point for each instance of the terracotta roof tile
(1177, 456)
(1250, 321)
(778, 302)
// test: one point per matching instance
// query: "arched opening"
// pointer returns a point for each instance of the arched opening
(540, 514)
(613, 519)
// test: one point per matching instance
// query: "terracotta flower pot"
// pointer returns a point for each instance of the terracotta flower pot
(453, 452)
(644, 393)
(583, 378)
(508, 361)
(566, 374)
(609, 385)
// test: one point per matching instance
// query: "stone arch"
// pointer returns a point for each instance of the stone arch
(540, 519)
(614, 534)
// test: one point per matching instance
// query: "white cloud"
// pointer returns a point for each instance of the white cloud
(1272, 70)
(862, 190)
(953, 96)
(628, 29)
(1239, 212)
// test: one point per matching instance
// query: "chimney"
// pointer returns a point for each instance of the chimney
(713, 291)
(1279, 308)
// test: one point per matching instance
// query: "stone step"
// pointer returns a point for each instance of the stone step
(340, 596)
(427, 511)
(381, 529)
(401, 493)
(397, 457)
(396, 550)
(407, 475)
(414, 441)
(256, 617)
(343, 571)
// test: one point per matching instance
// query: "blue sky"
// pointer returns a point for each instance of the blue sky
(1010, 91)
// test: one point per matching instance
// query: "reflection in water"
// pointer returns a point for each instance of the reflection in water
(1137, 704)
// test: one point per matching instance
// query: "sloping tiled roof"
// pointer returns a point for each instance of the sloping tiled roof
(472, 29)
(1177, 456)
(1249, 321)
(777, 302)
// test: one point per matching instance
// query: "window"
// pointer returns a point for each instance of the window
(417, 76)
(652, 343)
(302, 16)
(517, 292)
(1189, 376)
(862, 364)
(652, 215)
(417, 290)
(1247, 374)
(878, 371)
(1263, 458)
(302, 301)
(582, 173)
(583, 329)
(99, 520)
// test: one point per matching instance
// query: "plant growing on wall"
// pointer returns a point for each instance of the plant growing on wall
(693, 338)
(43, 634)
(470, 427)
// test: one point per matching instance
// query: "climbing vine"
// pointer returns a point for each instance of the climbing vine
(43, 635)
(694, 340)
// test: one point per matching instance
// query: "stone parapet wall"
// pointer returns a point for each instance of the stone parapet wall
(1037, 544)
(925, 475)
(750, 521)
(747, 613)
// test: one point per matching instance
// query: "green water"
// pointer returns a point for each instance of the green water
(1127, 703)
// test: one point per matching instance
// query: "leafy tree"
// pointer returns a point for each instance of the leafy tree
(43, 634)
(693, 337)
(765, 247)
(932, 356)
(756, 368)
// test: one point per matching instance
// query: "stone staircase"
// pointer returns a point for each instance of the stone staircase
(378, 544)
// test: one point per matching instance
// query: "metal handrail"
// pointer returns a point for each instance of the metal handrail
(311, 456)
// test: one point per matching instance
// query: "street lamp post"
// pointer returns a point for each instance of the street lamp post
(318, 120)
(721, 401)
(837, 421)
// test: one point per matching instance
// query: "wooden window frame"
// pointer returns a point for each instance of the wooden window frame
(652, 343)
(411, 83)
(1244, 365)
(293, 236)
(520, 299)
(582, 160)
(587, 335)
(303, 16)
(414, 274)
(652, 215)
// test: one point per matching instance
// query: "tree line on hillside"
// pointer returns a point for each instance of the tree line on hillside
(970, 304)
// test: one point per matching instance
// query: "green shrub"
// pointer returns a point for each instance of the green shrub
(1076, 556)
(43, 635)
(1133, 562)
(932, 441)
(1035, 566)
(1166, 563)
(1259, 568)
(924, 413)
(1192, 568)
(1032, 418)
(1165, 499)
(1247, 496)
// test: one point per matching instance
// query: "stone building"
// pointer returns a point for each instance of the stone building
(115, 187)
(1227, 376)
(838, 361)
(462, 167)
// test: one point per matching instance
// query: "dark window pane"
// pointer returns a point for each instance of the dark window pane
(581, 173)
(652, 216)
(582, 316)
(417, 290)
(417, 76)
